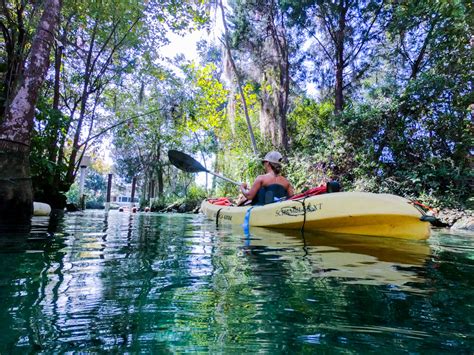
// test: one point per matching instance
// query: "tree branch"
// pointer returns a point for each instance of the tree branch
(118, 124)
(417, 63)
(112, 52)
(365, 38)
(321, 44)
(104, 45)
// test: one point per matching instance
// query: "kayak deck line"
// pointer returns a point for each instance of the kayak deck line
(343, 212)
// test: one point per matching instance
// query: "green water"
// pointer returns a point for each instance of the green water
(174, 283)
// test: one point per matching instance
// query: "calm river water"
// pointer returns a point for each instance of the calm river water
(174, 283)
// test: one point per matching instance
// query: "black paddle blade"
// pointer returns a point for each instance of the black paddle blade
(185, 162)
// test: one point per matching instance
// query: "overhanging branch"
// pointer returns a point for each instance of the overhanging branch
(116, 125)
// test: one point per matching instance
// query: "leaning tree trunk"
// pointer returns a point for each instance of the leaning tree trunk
(239, 80)
(16, 193)
(340, 63)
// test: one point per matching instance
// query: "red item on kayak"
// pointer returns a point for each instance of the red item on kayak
(311, 192)
(221, 201)
(224, 201)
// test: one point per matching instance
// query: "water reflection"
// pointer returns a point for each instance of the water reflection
(24, 261)
(174, 283)
(353, 259)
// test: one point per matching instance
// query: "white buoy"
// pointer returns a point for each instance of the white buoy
(41, 209)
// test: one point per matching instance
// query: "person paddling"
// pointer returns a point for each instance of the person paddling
(271, 186)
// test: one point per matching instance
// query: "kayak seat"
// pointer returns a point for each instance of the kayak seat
(333, 186)
(269, 194)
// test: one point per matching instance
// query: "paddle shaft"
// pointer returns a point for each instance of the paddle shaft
(224, 178)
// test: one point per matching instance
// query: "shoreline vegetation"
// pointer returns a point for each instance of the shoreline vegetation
(376, 95)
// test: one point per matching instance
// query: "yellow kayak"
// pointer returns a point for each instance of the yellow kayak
(359, 213)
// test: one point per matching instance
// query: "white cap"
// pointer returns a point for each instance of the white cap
(273, 157)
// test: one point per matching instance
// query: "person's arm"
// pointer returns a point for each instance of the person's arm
(250, 194)
(290, 191)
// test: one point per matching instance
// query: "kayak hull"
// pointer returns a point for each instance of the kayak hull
(359, 213)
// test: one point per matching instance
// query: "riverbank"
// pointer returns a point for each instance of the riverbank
(456, 219)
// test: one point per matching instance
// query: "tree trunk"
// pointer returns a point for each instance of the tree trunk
(58, 54)
(274, 101)
(159, 172)
(160, 181)
(268, 115)
(283, 96)
(16, 192)
(216, 169)
(339, 100)
(16, 195)
(15, 43)
(71, 170)
(239, 81)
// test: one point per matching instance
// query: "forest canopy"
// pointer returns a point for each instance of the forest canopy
(375, 94)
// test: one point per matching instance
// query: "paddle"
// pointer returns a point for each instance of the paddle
(187, 163)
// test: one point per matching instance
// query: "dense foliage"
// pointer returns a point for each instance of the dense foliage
(376, 94)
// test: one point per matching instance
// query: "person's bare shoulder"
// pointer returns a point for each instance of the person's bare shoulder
(261, 179)
(266, 179)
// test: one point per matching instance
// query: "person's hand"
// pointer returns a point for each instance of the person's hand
(244, 188)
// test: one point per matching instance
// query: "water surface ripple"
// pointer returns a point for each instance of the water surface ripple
(122, 282)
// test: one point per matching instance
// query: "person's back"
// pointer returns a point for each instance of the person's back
(271, 186)
(269, 194)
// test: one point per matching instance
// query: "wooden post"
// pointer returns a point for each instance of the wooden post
(152, 188)
(84, 163)
(134, 183)
(109, 189)
(82, 196)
